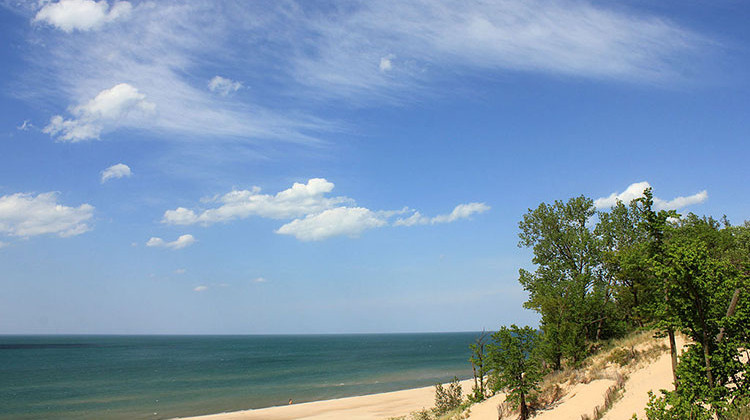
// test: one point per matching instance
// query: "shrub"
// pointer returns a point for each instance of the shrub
(449, 397)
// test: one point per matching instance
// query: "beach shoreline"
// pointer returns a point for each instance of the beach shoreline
(371, 406)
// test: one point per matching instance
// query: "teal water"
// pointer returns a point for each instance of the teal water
(139, 377)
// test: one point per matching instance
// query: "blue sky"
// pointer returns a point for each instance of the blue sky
(325, 167)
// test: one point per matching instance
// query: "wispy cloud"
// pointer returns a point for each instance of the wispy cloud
(183, 241)
(151, 55)
(461, 211)
(358, 50)
(351, 52)
(635, 190)
(315, 216)
(116, 171)
(200, 288)
(26, 215)
(223, 86)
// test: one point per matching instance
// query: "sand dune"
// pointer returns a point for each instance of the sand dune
(579, 399)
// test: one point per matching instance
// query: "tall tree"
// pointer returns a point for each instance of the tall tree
(566, 288)
(516, 367)
(479, 366)
(657, 225)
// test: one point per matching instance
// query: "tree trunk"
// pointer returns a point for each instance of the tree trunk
(730, 312)
(673, 353)
(474, 369)
(524, 409)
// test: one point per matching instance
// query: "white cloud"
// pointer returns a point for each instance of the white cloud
(635, 190)
(223, 86)
(200, 289)
(561, 37)
(385, 63)
(299, 200)
(461, 211)
(680, 202)
(315, 216)
(82, 15)
(112, 107)
(180, 271)
(260, 280)
(117, 171)
(181, 242)
(25, 126)
(3, 244)
(26, 215)
(415, 219)
(349, 221)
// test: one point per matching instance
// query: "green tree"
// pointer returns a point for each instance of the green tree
(479, 366)
(566, 288)
(705, 269)
(658, 227)
(625, 262)
(515, 365)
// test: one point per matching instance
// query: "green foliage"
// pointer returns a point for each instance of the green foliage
(421, 415)
(670, 407)
(480, 368)
(567, 288)
(639, 267)
(447, 398)
(621, 356)
(515, 363)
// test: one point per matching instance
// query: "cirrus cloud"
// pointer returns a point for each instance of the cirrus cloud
(223, 86)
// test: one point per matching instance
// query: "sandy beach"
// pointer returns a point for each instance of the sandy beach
(365, 407)
(579, 399)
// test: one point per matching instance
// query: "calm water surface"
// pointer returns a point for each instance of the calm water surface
(166, 376)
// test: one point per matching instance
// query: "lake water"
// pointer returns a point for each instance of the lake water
(166, 376)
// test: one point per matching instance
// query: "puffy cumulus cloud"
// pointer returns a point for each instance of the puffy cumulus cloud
(181, 242)
(110, 108)
(297, 201)
(82, 15)
(223, 86)
(461, 211)
(26, 215)
(349, 221)
(635, 190)
(314, 215)
(117, 171)
(200, 288)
